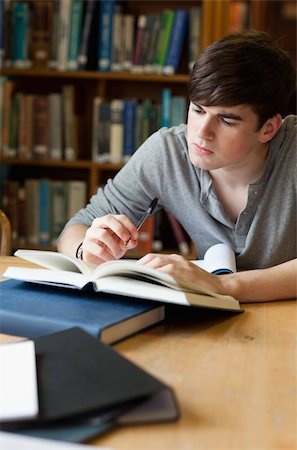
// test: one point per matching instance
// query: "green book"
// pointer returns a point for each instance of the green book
(167, 20)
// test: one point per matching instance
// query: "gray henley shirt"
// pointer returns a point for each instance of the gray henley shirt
(265, 231)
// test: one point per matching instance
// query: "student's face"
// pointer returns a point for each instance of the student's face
(223, 137)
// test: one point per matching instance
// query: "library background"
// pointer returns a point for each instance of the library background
(84, 83)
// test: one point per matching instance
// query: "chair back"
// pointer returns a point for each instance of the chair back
(5, 235)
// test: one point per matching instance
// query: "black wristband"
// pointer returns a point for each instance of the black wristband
(79, 251)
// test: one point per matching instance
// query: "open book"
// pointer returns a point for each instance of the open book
(122, 277)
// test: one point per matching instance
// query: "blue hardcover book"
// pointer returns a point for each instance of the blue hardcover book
(20, 34)
(33, 310)
(129, 118)
(106, 11)
(176, 43)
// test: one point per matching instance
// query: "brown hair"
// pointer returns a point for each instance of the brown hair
(245, 68)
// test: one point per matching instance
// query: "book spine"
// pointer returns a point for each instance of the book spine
(129, 119)
(166, 108)
(117, 39)
(76, 196)
(29, 125)
(41, 31)
(44, 212)
(8, 33)
(146, 118)
(149, 63)
(177, 39)
(86, 31)
(21, 216)
(11, 208)
(8, 87)
(164, 38)
(179, 234)
(13, 126)
(178, 110)
(70, 151)
(76, 16)
(53, 61)
(116, 130)
(128, 41)
(195, 39)
(20, 34)
(139, 40)
(63, 33)
(22, 128)
(32, 210)
(106, 11)
(58, 209)
(40, 130)
(55, 126)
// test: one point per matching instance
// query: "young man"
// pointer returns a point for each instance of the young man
(229, 176)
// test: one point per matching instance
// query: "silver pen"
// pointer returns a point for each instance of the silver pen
(148, 213)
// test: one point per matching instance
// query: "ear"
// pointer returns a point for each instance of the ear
(270, 128)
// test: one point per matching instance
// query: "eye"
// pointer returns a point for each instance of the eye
(197, 109)
(228, 122)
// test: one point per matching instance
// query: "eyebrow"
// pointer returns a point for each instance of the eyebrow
(229, 115)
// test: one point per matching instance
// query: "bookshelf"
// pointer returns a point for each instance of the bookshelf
(41, 80)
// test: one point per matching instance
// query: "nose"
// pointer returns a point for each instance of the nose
(205, 128)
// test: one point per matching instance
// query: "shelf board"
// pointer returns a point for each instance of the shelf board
(88, 74)
(77, 164)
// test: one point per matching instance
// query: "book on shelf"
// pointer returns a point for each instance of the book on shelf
(80, 398)
(40, 128)
(101, 130)
(176, 43)
(195, 35)
(128, 41)
(121, 277)
(63, 34)
(76, 17)
(2, 34)
(44, 211)
(58, 209)
(69, 125)
(116, 130)
(117, 39)
(152, 44)
(31, 310)
(106, 11)
(76, 196)
(55, 127)
(164, 39)
(166, 107)
(20, 32)
(86, 33)
(32, 216)
(129, 124)
(139, 41)
(178, 110)
(41, 29)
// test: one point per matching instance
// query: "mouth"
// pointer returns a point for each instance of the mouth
(202, 150)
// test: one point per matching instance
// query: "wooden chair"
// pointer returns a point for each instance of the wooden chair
(5, 234)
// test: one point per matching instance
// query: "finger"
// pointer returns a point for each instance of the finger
(120, 225)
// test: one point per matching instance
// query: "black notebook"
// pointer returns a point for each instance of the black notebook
(83, 382)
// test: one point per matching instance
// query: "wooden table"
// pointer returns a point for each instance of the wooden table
(235, 378)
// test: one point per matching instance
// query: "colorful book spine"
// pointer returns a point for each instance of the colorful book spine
(139, 41)
(76, 17)
(20, 34)
(176, 43)
(116, 130)
(163, 39)
(166, 107)
(58, 209)
(129, 120)
(128, 41)
(178, 110)
(195, 37)
(117, 39)
(106, 10)
(63, 34)
(90, 9)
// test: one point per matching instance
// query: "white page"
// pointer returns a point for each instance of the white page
(11, 441)
(18, 381)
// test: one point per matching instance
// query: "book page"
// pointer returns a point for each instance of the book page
(56, 261)
(219, 258)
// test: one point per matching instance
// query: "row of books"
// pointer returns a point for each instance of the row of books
(96, 35)
(39, 208)
(38, 126)
(120, 126)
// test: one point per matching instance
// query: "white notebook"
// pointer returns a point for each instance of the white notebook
(18, 381)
